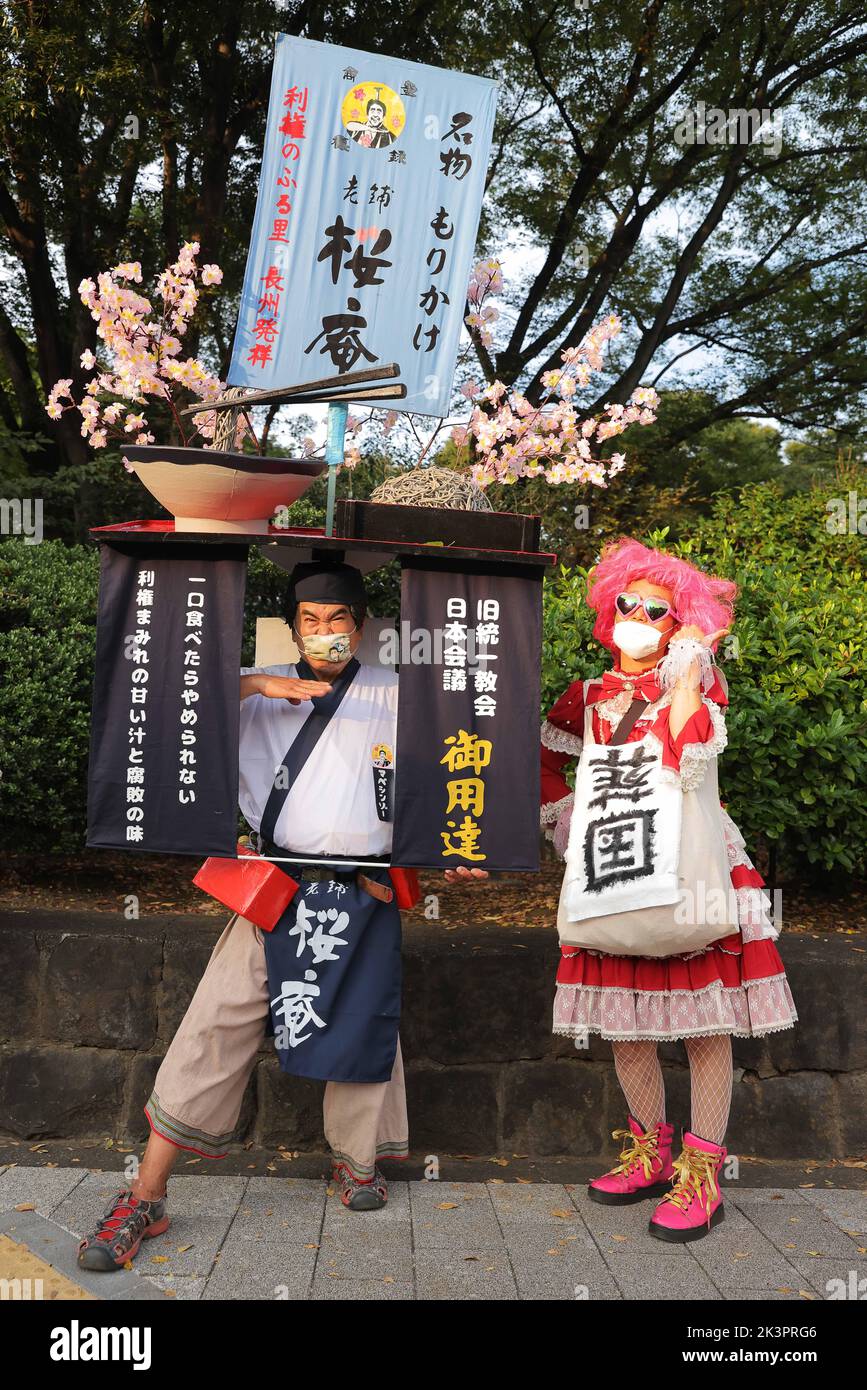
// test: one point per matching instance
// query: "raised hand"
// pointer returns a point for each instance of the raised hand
(290, 688)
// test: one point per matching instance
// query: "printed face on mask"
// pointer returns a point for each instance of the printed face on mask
(328, 646)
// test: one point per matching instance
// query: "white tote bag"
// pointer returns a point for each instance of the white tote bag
(631, 874)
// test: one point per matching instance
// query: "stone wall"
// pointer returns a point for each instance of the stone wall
(89, 1003)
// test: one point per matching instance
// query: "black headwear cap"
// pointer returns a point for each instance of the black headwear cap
(324, 581)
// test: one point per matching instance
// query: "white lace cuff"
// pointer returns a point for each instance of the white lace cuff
(675, 665)
(560, 740)
(551, 810)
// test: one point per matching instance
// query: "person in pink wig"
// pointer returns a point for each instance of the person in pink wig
(663, 924)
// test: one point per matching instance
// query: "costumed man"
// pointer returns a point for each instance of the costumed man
(663, 924)
(327, 978)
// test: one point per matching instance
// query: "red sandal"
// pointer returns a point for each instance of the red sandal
(126, 1223)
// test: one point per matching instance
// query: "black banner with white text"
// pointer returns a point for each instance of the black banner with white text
(468, 768)
(164, 730)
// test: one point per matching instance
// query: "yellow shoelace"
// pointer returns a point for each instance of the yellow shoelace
(636, 1149)
(693, 1168)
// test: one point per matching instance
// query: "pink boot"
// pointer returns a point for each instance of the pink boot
(694, 1203)
(645, 1168)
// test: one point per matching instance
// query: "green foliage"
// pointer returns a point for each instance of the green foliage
(47, 644)
(794, 772)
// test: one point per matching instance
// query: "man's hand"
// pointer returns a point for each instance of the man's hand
(462, 874)
(289, 688)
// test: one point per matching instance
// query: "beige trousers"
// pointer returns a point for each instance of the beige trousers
(198, 1090)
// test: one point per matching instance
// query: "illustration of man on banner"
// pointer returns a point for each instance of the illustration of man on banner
(373, 132)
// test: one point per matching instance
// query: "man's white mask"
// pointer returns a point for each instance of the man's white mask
(636, 639)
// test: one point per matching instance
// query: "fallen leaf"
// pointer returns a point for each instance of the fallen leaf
(446, 1206)
(471, 1259)
(388, 1279)
(159, 1259)
(182, 1249)
(26, 1206)
(563, 1215)
(620, 1237)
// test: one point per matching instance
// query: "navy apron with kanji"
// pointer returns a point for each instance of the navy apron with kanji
(334, 976)
(333, 959)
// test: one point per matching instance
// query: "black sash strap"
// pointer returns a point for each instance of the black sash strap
(311, 731)
(628, 722)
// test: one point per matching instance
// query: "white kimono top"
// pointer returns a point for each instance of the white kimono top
(331, 809)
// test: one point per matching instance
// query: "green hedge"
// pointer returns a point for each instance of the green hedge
(793, 775)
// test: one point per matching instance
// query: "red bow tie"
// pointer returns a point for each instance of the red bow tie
(644, 685)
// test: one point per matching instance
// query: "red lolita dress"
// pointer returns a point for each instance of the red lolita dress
(736, 985)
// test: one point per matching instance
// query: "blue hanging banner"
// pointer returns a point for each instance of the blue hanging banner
(371, 186)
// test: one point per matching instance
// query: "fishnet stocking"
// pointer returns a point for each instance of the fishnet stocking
(710, 1073)
(640, 1076)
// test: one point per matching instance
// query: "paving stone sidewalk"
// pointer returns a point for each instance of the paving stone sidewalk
(271, 1238)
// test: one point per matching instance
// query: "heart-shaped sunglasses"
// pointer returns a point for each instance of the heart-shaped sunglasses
(655, 608)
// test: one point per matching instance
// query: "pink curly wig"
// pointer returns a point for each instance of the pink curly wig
(698, 597)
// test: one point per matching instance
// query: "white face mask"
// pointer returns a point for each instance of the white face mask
(637, 639)
(328, 646)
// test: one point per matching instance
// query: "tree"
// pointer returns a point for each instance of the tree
(743, 256)
(735, 256)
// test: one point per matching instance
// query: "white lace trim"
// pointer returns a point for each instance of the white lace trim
(560, 740)
(695, 756)
(550, 812)
(751, 1009)
(754, 904)
(579, 1029)
(670, 993)
(560, 833)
